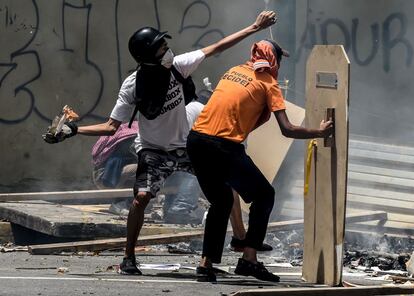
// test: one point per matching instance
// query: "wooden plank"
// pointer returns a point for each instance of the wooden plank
(372, 146)
(99, 245)
(362, 234)
(373, 170)
(401, 217)
(297, 192)
(387, 227)
(382, 157)
(380, 204)
(97, 209)
(358, 202)
(396, 223)
(392, 195)
(330, 291)
(70, 195)
(115, 243)
(350, 218)
(382, 182)
(327, 87)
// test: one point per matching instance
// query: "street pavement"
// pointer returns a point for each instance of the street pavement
(88, 274)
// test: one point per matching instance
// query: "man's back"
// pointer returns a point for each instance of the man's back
(239, 104)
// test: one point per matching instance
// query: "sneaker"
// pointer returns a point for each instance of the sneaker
(205, 274)
(237, 245)
(265, 248)
(256, 270)
(129, 267)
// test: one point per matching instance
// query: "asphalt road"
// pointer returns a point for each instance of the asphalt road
(25, 274)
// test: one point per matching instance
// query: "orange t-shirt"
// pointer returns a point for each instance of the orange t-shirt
(242, 101)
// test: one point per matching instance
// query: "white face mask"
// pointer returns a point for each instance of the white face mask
(167, 59)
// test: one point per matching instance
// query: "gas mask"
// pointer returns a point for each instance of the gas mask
(167, 59)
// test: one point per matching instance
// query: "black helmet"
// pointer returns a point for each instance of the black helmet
(145, 42)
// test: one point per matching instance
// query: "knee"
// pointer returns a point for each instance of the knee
(270, 197)
(267, 197)
(141, 199)
(270, 193)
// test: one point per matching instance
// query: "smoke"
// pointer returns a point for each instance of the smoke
(380, 49)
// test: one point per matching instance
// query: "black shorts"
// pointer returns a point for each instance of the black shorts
(154, 166)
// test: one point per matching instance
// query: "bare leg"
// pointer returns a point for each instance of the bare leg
(236, 219)
(135, 221)
(205, 262)
(250, 254)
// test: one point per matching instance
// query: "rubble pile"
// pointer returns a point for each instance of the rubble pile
(384, 253)
(368, 259)
(364, 253)
(287, 246)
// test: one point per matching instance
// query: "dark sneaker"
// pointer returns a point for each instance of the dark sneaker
(129, 267)
(265, 248)
(205, 274)
(237, 245)
(256, 270)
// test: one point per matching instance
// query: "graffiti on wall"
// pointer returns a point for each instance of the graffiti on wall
(66, 63)
(47, 49)
(381, 37)
(14, 26)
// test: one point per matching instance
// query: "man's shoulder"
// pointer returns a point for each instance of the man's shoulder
(188, 62)
(129, 82)
(241, 68)
(130, 78)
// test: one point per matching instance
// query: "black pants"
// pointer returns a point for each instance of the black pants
(221, 165)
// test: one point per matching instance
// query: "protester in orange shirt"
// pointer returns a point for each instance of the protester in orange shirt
(244, 99)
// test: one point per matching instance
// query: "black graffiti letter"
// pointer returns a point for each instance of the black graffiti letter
(307, 40)
(390, 43)
(341, 26)
(374, 48)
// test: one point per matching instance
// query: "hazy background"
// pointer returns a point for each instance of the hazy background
(75, 52)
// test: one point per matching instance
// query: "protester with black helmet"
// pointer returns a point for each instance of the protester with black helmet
(158, 89)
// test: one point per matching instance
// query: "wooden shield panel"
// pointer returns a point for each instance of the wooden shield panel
(268, 147)
(327, 93)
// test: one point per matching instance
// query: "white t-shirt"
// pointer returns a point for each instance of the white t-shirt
(170, 129)
(193, 110)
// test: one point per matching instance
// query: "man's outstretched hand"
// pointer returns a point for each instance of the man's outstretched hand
(265, 19)
(326, 127)
(69, 129)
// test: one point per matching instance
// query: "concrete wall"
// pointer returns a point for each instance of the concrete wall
(74, 52)
(378, 36)
(57, 52)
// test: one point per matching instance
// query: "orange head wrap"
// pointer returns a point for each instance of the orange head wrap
(264, 57)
